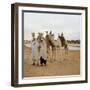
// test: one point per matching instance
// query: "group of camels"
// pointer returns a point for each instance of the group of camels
(51, 47)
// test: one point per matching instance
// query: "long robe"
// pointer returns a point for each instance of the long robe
(35, 50)
(43, 50)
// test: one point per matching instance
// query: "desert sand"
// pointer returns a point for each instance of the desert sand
(65, 65)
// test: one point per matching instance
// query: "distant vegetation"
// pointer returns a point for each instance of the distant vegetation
(69, 41)
(73, 41)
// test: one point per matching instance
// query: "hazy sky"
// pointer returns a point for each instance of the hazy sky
(70, 25)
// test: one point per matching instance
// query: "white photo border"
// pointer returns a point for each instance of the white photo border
(33, 80)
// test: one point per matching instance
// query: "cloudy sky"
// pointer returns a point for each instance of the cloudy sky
(69, 24)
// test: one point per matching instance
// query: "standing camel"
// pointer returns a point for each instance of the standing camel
(56, 48)
(64, 45)
(51, 46)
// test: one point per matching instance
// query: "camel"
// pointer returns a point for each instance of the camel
(50, 45)
(56, 47)
(53, 46)
(64, 45)
(49, 48)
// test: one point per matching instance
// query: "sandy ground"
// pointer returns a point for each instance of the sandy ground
(65, 65)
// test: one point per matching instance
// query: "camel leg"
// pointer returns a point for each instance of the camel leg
(55, 58)
(62, 55)
(33, 62)
(66, 54)
(54, 54)
(58, 54)
(49, 54)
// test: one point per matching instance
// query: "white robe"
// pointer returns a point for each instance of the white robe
(35, 50)
(43, 50)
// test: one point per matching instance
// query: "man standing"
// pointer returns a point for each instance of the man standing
(35, 50)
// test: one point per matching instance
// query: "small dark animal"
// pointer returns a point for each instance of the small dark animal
(43, 61)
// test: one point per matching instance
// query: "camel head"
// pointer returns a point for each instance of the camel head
(33, 35)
